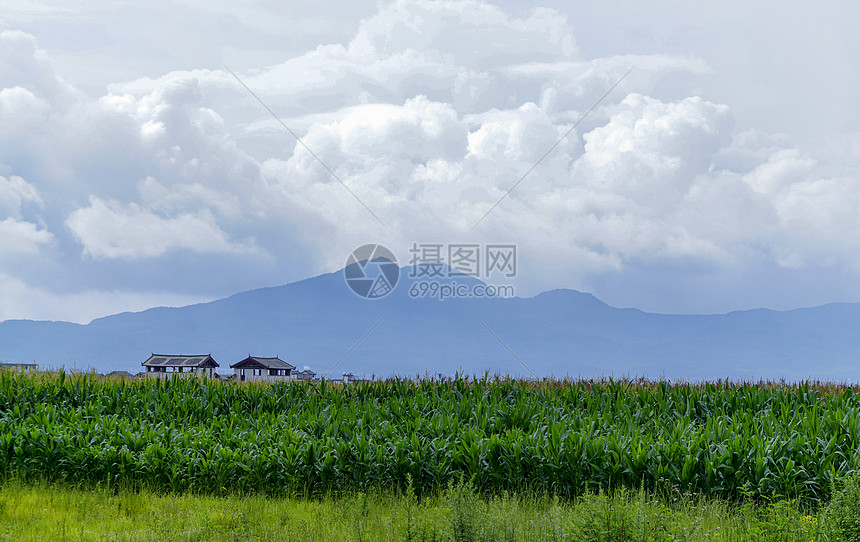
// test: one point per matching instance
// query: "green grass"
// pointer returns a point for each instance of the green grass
(458, 514)
(30, 512)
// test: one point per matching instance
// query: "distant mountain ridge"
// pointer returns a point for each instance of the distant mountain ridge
(315, 322)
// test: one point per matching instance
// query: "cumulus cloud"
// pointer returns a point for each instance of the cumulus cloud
(22, 237)
(421, 47)
(110, 230)
(24, 65)
(19, 105)
(429, 115)
(14, 192)
(17, 236)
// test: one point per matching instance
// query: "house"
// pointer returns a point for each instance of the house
(305, 376)
(119, 374)
(255, 368)
(20, 366)
(349, 378)
(161, 365)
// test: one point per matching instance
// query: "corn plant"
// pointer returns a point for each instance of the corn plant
(721, 439)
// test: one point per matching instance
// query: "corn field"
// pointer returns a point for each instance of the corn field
(557, 437)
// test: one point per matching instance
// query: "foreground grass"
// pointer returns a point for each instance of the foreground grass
(29, 512)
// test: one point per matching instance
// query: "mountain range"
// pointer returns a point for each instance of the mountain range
(319, 323)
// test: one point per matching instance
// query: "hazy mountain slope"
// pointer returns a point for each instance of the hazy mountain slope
(316, 321)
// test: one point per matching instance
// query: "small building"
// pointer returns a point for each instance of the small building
(350, 378)
(20, 366)
(305, 376)
(119, 374)
(255, 368)
(161, 365)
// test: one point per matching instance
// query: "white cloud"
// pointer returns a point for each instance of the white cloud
(17, 236)
(19, 105)
(443, 27)
(188, 195)
(14, 191)
(24, 65)
(110, 230)
(652, 151)
(25, 301)
(429, 112)
(22, 237)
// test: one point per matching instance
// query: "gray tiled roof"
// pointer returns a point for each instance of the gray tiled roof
(164, 360)
(268, 363)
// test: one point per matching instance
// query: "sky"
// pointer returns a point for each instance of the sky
(723, 173)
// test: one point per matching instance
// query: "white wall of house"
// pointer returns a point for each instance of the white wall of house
(185, 372)
(261, 375)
